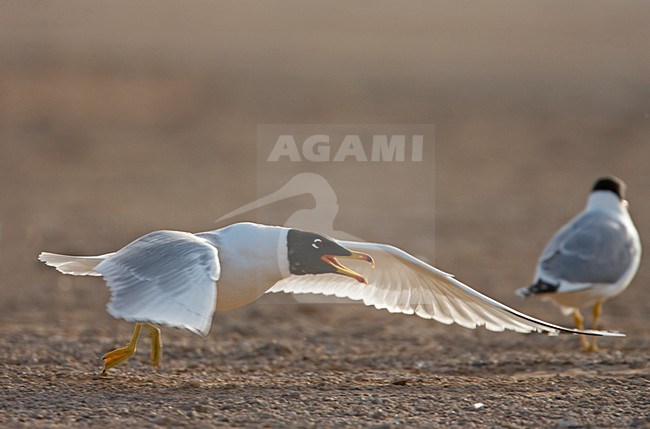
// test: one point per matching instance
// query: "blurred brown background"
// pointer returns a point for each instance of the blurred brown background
(119, 118)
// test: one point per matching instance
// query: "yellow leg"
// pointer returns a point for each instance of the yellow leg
(118, 356)
(598, 310)
(156, 344)
(578, 319)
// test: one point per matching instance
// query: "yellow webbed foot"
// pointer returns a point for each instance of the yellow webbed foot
(117, 356)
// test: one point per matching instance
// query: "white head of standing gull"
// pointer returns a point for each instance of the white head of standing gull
(179, 279)
(592, 258)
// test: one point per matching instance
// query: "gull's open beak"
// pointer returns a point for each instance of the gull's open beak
(342, 269)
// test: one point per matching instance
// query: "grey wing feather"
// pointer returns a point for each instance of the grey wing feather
(165, 277)
(594, 248)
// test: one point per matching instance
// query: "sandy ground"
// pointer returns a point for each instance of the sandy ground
(116, 121)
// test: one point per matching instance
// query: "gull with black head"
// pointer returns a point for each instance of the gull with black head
(180, 279)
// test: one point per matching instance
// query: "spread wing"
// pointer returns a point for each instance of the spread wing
(165, 277)
(402, 283)
(592, 249)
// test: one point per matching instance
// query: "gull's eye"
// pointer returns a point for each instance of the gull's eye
(317, 243)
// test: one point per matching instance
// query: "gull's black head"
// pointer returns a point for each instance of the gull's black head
(612, 184)
(311, 253)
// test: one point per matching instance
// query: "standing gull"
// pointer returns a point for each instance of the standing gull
(592, 258)
(179, 279)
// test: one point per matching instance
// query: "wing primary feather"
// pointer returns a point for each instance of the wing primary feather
(430, 293)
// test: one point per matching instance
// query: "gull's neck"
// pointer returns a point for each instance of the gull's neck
(606, 201)
(256, 247)
(253, 258)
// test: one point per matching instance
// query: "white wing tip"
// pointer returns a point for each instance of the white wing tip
(48, 258)
(603, 333)
(73, 265)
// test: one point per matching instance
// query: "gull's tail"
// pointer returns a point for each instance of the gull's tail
(75, 265)
(537, 288)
